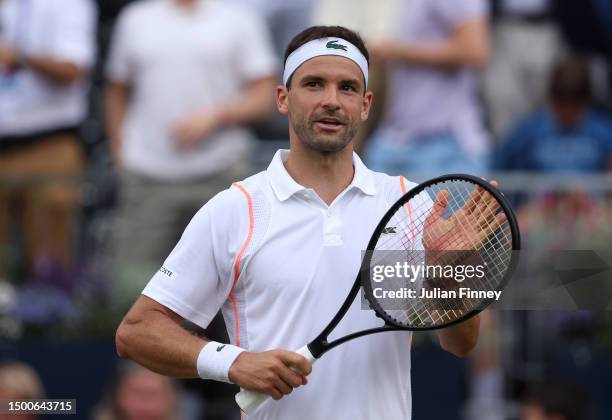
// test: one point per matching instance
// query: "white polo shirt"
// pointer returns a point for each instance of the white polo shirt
(279, 262)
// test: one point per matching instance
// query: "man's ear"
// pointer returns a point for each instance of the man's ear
(282, 98)
(366, 105)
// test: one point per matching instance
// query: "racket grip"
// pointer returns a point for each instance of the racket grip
(248, 401)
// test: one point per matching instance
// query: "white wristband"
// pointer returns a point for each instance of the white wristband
(215, 360)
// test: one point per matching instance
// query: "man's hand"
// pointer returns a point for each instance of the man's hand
(468, 228)
(8, 57)
(195, 128)
(271, 372)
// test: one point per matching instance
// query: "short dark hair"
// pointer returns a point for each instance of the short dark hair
(317, 32)
(570, 82)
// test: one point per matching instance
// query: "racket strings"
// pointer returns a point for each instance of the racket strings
(449, 216)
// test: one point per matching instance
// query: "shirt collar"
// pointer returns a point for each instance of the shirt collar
(285, 186)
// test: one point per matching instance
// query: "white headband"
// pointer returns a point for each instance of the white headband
(324, 46)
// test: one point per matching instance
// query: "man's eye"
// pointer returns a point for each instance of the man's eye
(313, 84)
(349, 88)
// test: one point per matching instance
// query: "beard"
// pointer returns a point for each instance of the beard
(306, 131)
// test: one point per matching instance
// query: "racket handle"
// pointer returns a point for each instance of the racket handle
(248, 401)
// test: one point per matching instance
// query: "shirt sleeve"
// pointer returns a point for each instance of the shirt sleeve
(196, 278)
(75, 33)
(256, 57)
(454, 13)
(120, 61)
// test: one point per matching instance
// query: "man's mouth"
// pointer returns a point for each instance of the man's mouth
(329, 123)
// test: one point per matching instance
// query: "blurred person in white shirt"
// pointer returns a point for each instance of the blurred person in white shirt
(184, 77)
(527, 42)
(47, 48)
(432, 120)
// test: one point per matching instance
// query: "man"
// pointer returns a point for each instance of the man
(278, 253)
(568, 134)
(19, 381)
(431, 122)
(47, 48)
(526, 40)
(185, 77)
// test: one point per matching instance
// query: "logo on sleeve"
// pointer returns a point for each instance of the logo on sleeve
(165, 271)
(220, 347)
(334, 44)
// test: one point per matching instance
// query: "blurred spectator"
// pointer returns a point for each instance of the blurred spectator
(184, 76)
(526, 44)
(139, 394)
(19, 381)
(586, 27)
(432, 120)
(284, 19)
(568, 135)
(556, 401)
(47, 48)
(375, 21)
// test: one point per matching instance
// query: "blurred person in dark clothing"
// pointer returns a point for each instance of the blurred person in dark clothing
(47, 48)
(184, 77)
(139, 394)
(567, 135)
(432, 119)
(556, 401)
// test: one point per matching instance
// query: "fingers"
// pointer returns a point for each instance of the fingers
(183, 135)
(476, 197)
(487, 211)
(275, 372)
(441, 202)
(297, 361)
(473, 200)
(290, 370)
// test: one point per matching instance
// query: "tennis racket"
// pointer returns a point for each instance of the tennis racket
(440, 225)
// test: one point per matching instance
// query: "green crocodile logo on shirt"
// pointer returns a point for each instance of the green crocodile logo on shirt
(334, 44)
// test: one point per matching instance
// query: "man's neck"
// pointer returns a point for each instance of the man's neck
(328, 174)
(186, 4)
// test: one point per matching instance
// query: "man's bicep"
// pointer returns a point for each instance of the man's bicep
(145, 306)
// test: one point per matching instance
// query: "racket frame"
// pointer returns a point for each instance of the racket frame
(321, 345)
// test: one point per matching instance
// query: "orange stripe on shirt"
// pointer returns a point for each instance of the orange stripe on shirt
(239, 257)
(408, 206)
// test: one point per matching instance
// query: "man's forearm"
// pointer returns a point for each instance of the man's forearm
(115, 109)
(255, 104)
(469, 47)
(461, 338)
(58, 71)
(160, 344)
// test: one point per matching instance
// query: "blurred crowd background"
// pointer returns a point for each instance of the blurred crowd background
(119, 119)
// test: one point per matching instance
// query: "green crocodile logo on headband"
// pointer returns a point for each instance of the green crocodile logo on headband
(336, 46)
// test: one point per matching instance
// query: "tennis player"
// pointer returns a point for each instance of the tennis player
(278, 252)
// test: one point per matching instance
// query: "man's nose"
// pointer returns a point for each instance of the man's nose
(330, 100)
